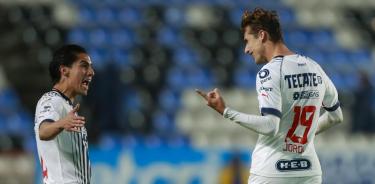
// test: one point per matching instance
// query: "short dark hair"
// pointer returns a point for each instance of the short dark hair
(261, 19)
(64, 56)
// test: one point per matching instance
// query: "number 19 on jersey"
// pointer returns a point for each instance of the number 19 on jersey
(303, 116)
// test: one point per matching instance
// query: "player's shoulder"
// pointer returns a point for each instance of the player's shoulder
(50, 97)
(306, 59)
(274, 63)
(271, 68)
(315, 65)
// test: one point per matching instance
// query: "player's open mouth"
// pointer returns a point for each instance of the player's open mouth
(86, 82)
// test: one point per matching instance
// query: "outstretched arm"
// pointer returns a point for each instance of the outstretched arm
(266, 125)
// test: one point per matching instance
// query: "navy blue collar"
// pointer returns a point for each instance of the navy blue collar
(64, 96)
(278, 56)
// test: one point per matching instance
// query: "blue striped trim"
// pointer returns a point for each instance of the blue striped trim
(333, 108)
(272, 111)
(48, 120)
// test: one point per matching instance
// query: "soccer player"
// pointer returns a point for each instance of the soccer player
(291, 89)
(60, 133)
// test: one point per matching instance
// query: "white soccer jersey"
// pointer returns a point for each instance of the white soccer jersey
(293, 88)
(64, 159)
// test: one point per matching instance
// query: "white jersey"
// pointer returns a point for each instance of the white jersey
(293, 88)
(64, 159)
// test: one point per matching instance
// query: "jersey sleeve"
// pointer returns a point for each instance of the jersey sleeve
(330, 100)
(47, 110)
(268, 89)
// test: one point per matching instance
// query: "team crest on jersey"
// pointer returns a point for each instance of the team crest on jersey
(293, 165)
(263, 73)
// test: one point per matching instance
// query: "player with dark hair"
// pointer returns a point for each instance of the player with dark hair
(60, 133)
(292, 89)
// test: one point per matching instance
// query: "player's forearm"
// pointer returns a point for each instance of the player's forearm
(49, 130)
(266, 125)
(329, 119)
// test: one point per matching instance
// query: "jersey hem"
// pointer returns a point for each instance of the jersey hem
(284, 175)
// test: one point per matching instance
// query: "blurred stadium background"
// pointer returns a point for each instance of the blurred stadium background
(145, 122)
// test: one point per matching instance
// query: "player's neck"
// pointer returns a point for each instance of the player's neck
(277, 49)
(64, 89)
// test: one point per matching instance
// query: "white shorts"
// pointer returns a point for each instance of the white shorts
(256, 179)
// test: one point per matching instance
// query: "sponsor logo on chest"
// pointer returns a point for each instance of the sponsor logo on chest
(303, 80)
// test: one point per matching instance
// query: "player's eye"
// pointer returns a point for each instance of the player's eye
(84, 64)
(245, 41)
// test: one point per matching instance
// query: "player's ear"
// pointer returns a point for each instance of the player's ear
(64, 71)
(263, 35)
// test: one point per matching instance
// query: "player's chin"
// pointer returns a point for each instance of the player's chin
(83, 92)
(259, 61)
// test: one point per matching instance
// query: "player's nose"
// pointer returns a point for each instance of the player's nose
(247, 50)
(91, 72)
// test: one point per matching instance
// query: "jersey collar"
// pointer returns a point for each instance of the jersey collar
(278, 56)
(62, 95)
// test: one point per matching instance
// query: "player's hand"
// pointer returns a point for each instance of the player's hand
(213, 99)
(73, 122)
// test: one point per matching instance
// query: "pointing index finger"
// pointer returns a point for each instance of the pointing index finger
(202, 94)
